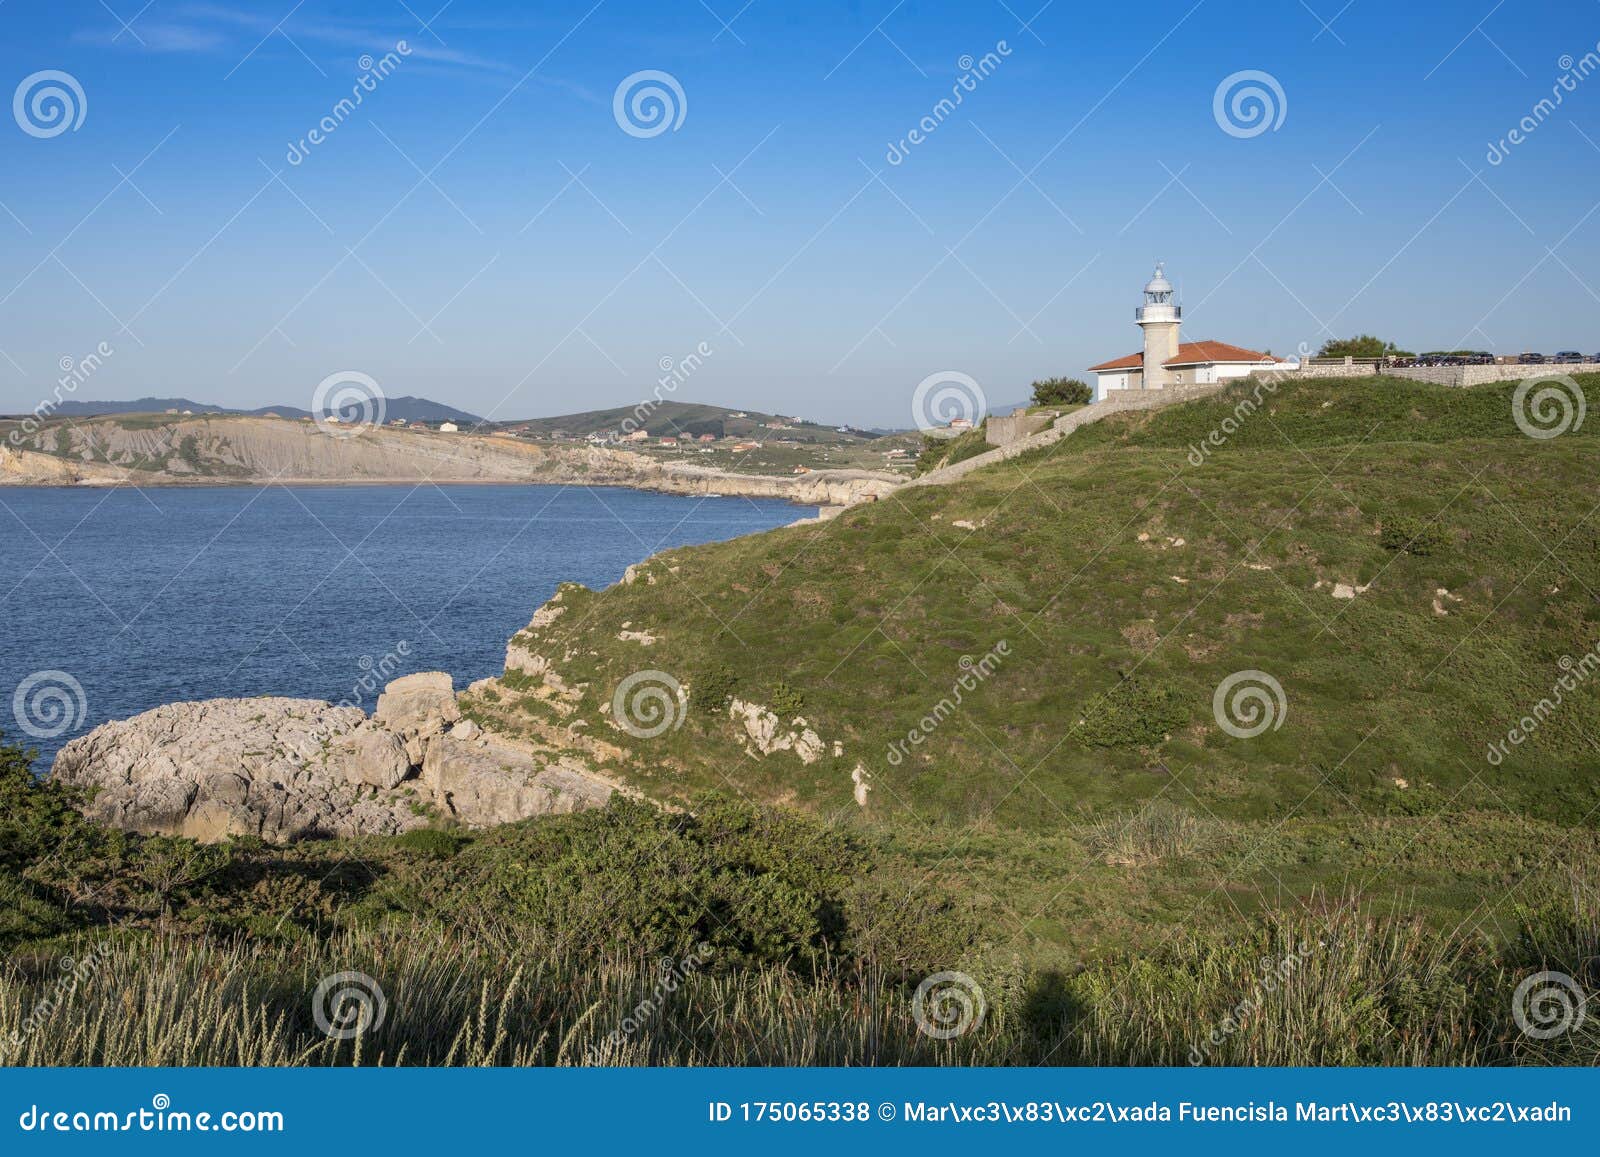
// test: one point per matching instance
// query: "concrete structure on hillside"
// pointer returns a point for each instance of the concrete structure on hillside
(1166, 361)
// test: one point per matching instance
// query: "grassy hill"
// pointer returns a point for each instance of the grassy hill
(1125, 584)
(997, 701)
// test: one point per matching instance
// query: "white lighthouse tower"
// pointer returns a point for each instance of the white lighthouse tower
(1160, 318)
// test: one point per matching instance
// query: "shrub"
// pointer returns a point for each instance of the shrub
(756, 885)
(1135, 713)
(787, 702)
(711, 688)
(1402, 533)
(434, 842)
(1061, 392)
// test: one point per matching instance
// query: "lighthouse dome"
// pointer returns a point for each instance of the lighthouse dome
(1159, 283)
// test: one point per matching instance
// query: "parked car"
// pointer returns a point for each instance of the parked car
(1532, 359)
(1568, 357)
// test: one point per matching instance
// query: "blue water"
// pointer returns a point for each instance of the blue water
(147, 598)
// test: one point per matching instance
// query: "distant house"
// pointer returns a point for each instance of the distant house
(708, 437)
(960, 423)
(392, 421)
(669, 441)
(449, 428)
(801, 470)
(745, 447)
(637, 436)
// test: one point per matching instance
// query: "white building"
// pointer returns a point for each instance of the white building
(1166, 361)
(448, 428)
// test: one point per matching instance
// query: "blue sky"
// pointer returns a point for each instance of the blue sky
(481, 229)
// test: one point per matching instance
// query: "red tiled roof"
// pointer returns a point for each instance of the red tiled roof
(1190, 353)
(1194, 352)
(1131, 362)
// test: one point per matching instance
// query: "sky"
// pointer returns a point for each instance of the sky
(491, 228)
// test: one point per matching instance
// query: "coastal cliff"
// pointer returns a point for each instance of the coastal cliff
(153, 450)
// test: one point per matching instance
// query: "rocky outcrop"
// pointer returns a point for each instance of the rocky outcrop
(765, 732)
(289, 769)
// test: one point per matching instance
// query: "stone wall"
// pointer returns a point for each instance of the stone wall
(1119, 402)
(1437, 375)
(1004, 431)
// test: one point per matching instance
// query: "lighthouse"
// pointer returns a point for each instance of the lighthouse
(1159, 317)
(1165, 363)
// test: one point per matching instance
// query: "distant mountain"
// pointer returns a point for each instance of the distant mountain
(408, 408)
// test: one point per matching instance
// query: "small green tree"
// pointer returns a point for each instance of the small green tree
(1363, 345)
(1061, 392)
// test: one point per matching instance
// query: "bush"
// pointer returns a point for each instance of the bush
(1132, 714)
(711, 688)
(440, 845)
(1402, 533)
(1061, 392)
(786, 701)
(758, 886)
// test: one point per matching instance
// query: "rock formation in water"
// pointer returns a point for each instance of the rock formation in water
(288, 769)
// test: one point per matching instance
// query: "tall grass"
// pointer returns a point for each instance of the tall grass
(1331, 987)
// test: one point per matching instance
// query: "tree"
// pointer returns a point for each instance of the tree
(1363, 345)
(1061, 392)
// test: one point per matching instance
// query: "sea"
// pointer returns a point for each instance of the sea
(116, 601)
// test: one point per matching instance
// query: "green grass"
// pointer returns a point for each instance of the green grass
(1127, 585)
(1071, 826)
(1334, 987)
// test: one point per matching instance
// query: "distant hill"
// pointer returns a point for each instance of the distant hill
(137, 406)
(409, 408)
(687, 418)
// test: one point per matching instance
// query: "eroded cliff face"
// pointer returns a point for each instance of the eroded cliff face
(208, 449)
(29, 468)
